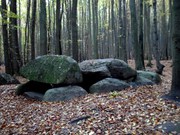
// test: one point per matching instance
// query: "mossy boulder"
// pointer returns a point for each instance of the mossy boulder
(154, 77)
(53, 69)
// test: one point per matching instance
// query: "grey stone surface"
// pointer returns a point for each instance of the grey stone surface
(98, 69)
(64, 93)
(7, 79)
(154, 77)
(108, 85)
(121, 70)
(34, 95)
(141, 81)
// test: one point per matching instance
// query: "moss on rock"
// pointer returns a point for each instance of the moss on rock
(53, 69)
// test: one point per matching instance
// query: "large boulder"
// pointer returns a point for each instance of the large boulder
(7, 79)
(32, 86)
(94, 71)
(108, 85)
(64, 93)
(121, 70)
(98, 69)
(53, 69)
(154, 77)
(141, 81)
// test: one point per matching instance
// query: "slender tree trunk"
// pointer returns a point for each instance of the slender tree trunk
(27, 30)
(114, 32)
(163, 41)
(147, 33)
(54, 27)
(58, 49)
(49, 28)
(155, 41)
(33, 21)
(141, 37)
(137, 47)
(43, 28)
(7, 58)
(170, 29)
(68, 25)
(95, 27)
(19, 29)
(74, 30)
(124, 56)
(17, 62)
(89, 29)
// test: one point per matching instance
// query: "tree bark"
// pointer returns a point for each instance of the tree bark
(74, 30)
(16, 57)
(141, 37)
(58, 49)
(147, 33)
(124, 55)
(159, 66)
(68, 25)
(27, 33)
(175, 86)
(139, 62)
(163, 39)
(33, 21)
(43, 28)
(7, 58)
(95, 27)
(170, 29)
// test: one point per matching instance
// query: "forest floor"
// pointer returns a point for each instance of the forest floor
(131, 111)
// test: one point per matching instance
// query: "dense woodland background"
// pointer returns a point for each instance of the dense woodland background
(85, 29)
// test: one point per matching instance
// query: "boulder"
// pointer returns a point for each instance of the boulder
(94, 71)
(34, 95)
(121, 70)
(98, 69)
(108, 85)
(154, 77)
(64, 93)
(53, 69)
(32, 86)
(141, 81)
(7, 79)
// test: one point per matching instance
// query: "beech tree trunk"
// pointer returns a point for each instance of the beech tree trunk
(124, 55)
(7, 58)
(43, 28)
(33, 20)
(139, 61)
(156, 51)
(175, 86)
(74, 30)
(58, 49)
(16, 57)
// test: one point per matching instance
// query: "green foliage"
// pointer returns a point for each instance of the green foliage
(114, 94)
(10, 14)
